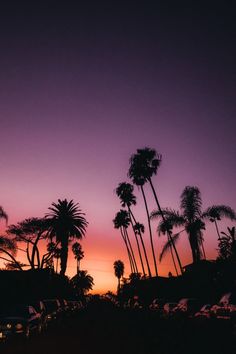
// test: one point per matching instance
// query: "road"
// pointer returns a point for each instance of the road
(104, 329)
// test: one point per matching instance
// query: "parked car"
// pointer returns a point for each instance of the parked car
(39, 306)
(205, 312)
(156, 305)
(187, 307)
(20, 320)
(168, 309)
(52, 309)
(225, 309)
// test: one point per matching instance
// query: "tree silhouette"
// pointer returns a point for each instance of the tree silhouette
(119, 272)
(3, 214)
(121, 222)
(31, 231)
(82, 282)
(67, 222)
(227, 245)
(125, 192)
(78, 253)
(217, 212)
(8, 248)
(143, 165)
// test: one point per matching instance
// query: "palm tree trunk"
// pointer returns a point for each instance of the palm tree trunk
(168, 232)
(217, 230)
(144, 250)
(128, 251)
(139, 252)
(64, 256)
(131, 250)
(150, 230)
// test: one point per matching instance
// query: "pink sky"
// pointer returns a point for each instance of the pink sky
(80, 91)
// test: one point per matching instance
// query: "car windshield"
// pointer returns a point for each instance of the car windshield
(14, 311)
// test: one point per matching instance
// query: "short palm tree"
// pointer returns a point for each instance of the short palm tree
(119, 272)
(82, 282)
(67, 222)
(122, 222)
(143, 165)
(125, 192)
(78, 253)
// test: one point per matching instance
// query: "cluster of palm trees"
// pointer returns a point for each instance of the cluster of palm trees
(64, 223)
(191, 219)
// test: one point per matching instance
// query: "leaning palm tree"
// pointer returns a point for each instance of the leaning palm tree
(139, 229)
(119, 272)
(67, 222)
(125, 192)
(143, 165)
(122, 222)
(216, 213)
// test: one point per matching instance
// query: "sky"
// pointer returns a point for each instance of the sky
(81, 88)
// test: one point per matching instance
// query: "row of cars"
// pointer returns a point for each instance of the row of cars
(23, 320)
(224, 309)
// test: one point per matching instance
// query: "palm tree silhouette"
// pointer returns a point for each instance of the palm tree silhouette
(227, 245)
(125, 192)
(139, 229)
(217, 212)
(78, 253)
(82, 282)
(122, 222)
(119, 272)
(66, 223)
(143, 165)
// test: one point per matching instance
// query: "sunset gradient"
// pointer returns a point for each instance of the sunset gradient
(81, 90)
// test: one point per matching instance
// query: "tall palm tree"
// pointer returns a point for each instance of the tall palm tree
(119, 272)
(67, 222)
(139, 229)
(78, 253)
(122, 222)
(217, 212)
(125, 192)
(139, 181)
(191, 218)
(143, 165)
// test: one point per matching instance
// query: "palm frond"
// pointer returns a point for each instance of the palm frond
(168, 245)
(219, 211)
(191, 203)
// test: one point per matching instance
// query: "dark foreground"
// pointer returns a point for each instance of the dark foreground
(102, 329)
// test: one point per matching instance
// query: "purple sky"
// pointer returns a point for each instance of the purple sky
(81, 89)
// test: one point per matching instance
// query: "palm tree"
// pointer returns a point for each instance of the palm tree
(67, 222)
(78, 253)
(227, 245)
(143, 165)
(125, 192)
(217, 212)
(191, 218)
(82, 282)
(138, 181)
(119, 272)
(139, 229)
(122, 222)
